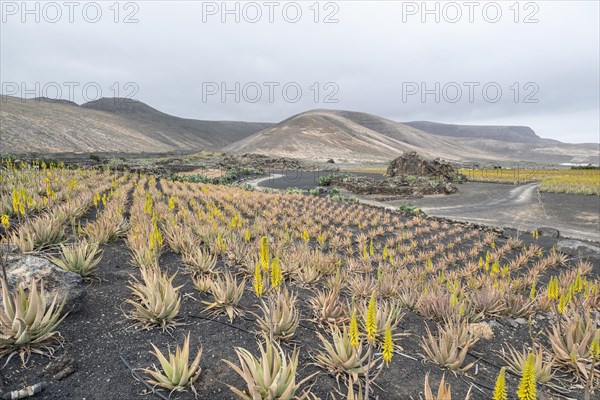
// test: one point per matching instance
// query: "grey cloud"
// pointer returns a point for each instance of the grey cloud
(368, 54)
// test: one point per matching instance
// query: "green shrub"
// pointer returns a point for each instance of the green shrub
(294, 190)
(343, 198)
(325, 180)
(411, 178)
(459, 179)
(407, 208)
(589, 166)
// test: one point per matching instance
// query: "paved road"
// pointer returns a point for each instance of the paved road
(499, 205)
(259, 183)
(519, 207)
(298, 179)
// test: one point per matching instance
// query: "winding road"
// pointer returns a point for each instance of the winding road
(519, 207)
(499, 205)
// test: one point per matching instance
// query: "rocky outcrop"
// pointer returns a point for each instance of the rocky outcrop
(408, 176)
(411, 164)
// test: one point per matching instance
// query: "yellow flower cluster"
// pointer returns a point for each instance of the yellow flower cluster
(172, 203)
(553, 288)
(236, 221)
(353, 330)
(258, 280)
(388, 345)
(595, 346)
(20, 200)
(148, 205)
(156, 238)
(276, 273)
(371, 318)
(5, 221)
(264, 253)
(305, 236)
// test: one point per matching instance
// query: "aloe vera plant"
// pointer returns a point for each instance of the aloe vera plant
(27, 322)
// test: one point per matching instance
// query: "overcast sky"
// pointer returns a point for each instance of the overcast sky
(387, 58)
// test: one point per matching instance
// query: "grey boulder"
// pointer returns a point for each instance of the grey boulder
(548, 232)
(66, 285)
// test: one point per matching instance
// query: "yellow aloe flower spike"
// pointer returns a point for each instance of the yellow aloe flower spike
(258, 280)
(371, 318)
(388, 345)
(563, 302)
(595, 347)
(500, 388)
(305, 236)
(527, 390)
(276, 275)
(354, 330)
(264, 253)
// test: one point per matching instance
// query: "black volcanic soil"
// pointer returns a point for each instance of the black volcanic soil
(98, 336)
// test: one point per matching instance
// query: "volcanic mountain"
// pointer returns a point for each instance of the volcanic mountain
(520, 142)
(108, 125)
(127, 126)
(349, 136)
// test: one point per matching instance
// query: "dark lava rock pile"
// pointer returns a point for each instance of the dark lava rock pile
(408, 176)
(256, 161)
(411, 164)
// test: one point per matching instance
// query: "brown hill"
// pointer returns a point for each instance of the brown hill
(349, 137)
(216, 134)
(126, 126)
(356, 136)
(520, 142)
(110, 125)
(517, 134)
